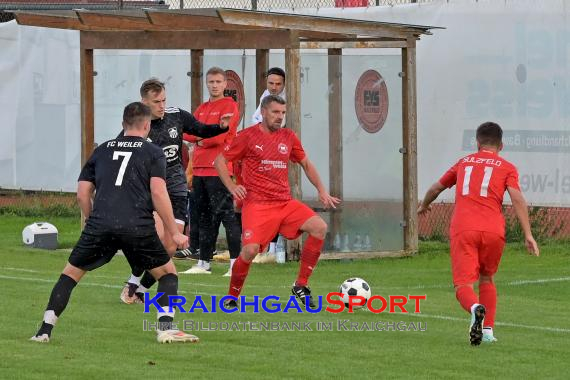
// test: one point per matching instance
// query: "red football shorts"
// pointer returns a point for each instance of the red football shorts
(474, 253)
(261, 222)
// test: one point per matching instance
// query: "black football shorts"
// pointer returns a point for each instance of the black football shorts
(96, 248)
(180, 208)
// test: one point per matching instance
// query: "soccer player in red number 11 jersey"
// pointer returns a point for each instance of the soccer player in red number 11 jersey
(477, 231)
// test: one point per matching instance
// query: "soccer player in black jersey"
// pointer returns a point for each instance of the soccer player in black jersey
(127, 176)
(167, 127)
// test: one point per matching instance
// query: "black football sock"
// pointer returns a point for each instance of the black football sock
(233, 236)
(137, 272)
(167, 284)
(57, 303)
(147, 280)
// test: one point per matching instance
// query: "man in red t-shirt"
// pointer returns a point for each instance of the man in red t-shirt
(265, 150)
(214, 201)
(477, 229)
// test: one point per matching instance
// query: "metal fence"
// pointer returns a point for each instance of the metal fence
(6, 16)
(283, 4)
(38, 203)
(262, 5)
(178, 4)
(546, 223)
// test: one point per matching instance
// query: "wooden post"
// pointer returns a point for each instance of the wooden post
(87, 105)
(87, 108)
(261, 67)
(335, 135)
(293, 88)
(196, 78)
(409, 130)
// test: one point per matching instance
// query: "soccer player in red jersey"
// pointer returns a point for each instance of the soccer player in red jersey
(265, 150)
(214, 201)
(477, 229)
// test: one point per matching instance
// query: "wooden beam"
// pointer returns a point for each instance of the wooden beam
(409, 131)
(335, 135)
(134, 13)
(196, 77)
(125, 20)
(353, 44)
(219, 19)
(363, 255)
(87, 104)
(183, 21)
(204, 12)
(46, 20)
(293, 88)
(321, 36)
(192, 21)
(318, 24)
(261, 67)
(185, 40)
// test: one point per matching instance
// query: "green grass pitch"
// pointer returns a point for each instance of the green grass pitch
(98, 337)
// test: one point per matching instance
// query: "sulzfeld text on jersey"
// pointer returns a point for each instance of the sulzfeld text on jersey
(480, 160)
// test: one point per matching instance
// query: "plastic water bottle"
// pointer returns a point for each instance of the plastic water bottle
(280, 250)
(336, 243)
(346, 244)
(357, 246)
(367, 243)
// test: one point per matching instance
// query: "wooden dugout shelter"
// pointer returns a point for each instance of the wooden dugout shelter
(199, 29)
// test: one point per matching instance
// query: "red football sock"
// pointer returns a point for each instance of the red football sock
(488, 298)
(466, 297)
(309, 258)
(239, 273)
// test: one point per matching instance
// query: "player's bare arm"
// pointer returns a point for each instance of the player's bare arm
(431, 195)
(313, 175)
(85, 191)
(162, 205)
(521, 210)
(221, 164)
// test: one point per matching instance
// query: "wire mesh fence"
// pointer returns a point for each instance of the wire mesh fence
(6, 5)
(178, 4)
(6, 16)
(38, 203)
(546, 223)
(283, 4)
(261, 5)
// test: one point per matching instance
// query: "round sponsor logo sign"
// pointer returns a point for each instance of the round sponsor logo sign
(371, 101)
(235, 90)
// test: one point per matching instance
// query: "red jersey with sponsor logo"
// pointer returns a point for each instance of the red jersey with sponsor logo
(481, 180)
(205, 153)
(264, 160)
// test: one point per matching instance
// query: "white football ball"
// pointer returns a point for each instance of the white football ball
(355, 287)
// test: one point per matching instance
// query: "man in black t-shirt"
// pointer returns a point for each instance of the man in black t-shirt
(127, 175)
(167, 127)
